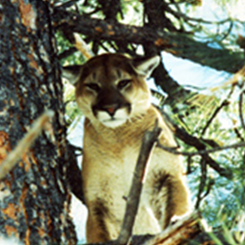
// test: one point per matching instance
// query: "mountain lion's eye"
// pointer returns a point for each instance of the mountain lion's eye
(93, 86)
(123, 83)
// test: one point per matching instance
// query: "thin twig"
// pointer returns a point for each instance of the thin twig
(178, 14)
(202, 184)
(67, 53)
(67, 4)
(224, 103)
(201, 152)
(209, 188)
(148, 142)
(238, 134)
(241, 109)
(217, 110)
(24, 145)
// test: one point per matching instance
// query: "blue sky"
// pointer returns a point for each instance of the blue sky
(188, 73)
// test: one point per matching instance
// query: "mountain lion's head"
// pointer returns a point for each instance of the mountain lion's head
(111, 88)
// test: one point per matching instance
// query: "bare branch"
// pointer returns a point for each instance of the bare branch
(149, 140)
(67, 53)
(204, 152)
(180, 233)
(67, 4)
(24, 145)
(73, 174)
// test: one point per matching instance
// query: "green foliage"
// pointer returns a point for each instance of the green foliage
(222, 199)
(63, 45)
(72, 111)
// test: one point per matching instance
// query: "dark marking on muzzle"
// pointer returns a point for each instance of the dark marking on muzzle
(110, 100)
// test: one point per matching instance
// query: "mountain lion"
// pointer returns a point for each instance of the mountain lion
(112, 93)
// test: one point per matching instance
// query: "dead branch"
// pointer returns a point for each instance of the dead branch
(149, 140)
(202, 151)
(24, 145)
(215, 113)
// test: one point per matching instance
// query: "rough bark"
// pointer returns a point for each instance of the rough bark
(34, 197)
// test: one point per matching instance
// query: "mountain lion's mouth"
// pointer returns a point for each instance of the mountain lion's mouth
(116, 120)
(113, 122)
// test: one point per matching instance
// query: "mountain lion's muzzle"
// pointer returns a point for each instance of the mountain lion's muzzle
(111, 108)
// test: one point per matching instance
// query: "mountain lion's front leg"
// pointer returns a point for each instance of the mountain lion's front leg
(170, 197)
(96, 230)
(102, 223)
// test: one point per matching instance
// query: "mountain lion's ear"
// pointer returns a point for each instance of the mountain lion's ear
(72, 73)
(145, 66)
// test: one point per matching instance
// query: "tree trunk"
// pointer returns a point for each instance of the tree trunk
(34, 197)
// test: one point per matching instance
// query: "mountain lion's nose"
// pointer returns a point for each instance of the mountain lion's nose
(111, 109)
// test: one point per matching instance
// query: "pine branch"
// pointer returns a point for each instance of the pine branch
(179, 44)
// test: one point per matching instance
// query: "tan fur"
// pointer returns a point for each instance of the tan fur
(110, 154)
